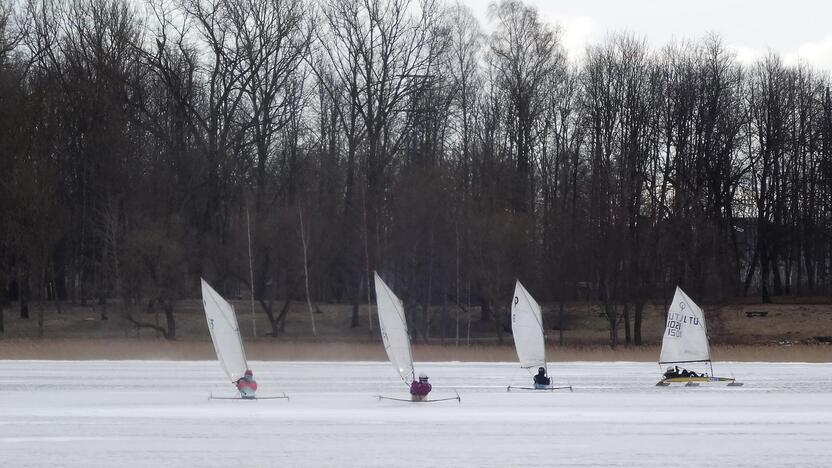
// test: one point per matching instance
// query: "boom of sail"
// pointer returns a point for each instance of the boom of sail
(225, 333)
(685, 336)
(393, 326)
(527, 328)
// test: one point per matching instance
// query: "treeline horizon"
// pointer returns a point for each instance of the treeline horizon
(146, 144)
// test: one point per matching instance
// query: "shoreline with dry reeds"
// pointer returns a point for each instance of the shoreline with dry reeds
(264, 350)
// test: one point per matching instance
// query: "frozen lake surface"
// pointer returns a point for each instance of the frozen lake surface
(155, 413)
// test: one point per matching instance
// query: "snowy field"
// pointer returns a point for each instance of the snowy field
(153, 413)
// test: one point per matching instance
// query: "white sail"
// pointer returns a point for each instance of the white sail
(393, 328)
(225, 333)
(527, 328)
(685, 336)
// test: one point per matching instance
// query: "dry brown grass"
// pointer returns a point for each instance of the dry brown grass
(586, 331)
(123, 349)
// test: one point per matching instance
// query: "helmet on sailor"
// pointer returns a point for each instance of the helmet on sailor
(423, 377)
(249, 372)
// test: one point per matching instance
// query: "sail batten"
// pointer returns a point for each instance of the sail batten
(527, 329)
(393, 327)
(685, 337)
(225, 333)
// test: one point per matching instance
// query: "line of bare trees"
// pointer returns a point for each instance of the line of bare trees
(137, 139)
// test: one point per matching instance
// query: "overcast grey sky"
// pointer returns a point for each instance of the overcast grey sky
(798, 29)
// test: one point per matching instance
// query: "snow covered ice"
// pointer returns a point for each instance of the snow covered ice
(154, 413)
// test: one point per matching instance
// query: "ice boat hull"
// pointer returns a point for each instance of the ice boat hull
(535, 389)
(409, 400)
(694, 381)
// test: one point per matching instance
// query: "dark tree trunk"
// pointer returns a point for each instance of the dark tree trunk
(488, 312)
(764, 274)
(355, 322)
(23, 295)
(777, 279)
(637, 323)
(279, 324)
(170, 322)
(40, 319)
(444, 320)
(612, 320)
(628, 339)
(485, 309)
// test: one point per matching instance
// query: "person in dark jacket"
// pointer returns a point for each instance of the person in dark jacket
(671, 372)
(541, 380)
(247, 385)
(419, 389)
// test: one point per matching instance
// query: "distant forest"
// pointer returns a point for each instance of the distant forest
(143, 143)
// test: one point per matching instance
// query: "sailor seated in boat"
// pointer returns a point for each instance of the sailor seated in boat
(675, 372)
(687, 373)
(419, 389)
(247, 385)
(540, 380)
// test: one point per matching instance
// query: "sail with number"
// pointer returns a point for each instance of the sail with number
(527, 328)
(225, 333)
(393, 326)
(685, 336)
